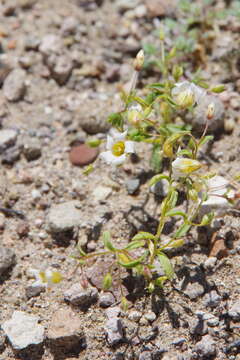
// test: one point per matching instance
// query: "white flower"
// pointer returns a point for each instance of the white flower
(209, 108)
(217, 189)
(186, 94)
(45, 278)
(182, 167)
(117, 148)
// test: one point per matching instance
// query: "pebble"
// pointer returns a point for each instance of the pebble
(210, 263)
(206, 347)
(62, 68)
(178, 341)
(234, 311)
(145, 355)
(82, 155)
(150, 316)
(160, 7)
(113, 312)
(32, 42)
(101, 193)
(23, 330)
(198, 327)
(64, 217)
(32, 149)
(65, 330)
(194, 290)
(14, 85)
(2, 221)
(11, 155)
(106, 299)
(132, 186)
(32, 291)
(134, 315)
(218, 248)
(69, 26)
(79, 296)
(114, 331)
(212, 299)
(8, 138)
(160, 188)
(51, 44)
(7, 259)
(36, 194)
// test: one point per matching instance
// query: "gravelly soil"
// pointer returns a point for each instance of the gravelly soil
(51, 116)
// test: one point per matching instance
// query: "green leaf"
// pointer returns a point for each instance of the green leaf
(107, 281)
(88, 169)
(107, 243)
(218, 89)
(183, 229)
(149, 49)
(94, 143)
(160, 281)
(135, 245)
(155, 179)
(176, 213)
(166, 265)
(205, 139)
(207, 219)
(116, 119)
(143, 235)
(172, 200)
(156, 158)
(132, 264)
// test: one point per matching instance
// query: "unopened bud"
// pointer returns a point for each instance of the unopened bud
(139, 61)
(210, 111)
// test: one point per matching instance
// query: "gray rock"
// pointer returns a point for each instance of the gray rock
(210, 263)
(101, 193)
(213, 321)
(234, 311)
(14, 85)
(64, 217)
(79, 296)
(150, 316)
(8, 138)
(114, 331)
(32, 149)
(65, 330)
(32, 42)
(69, 25)
(23, 330)
(2, 341)
(160, 188)
(7, 259)
(106, 299)
(134, 315)
(11, 155)
(51, 44)
(145, 355)
(198, 327)
(32, 291)
(194, 290)
(178, 341)
(132, 185)
(206, 347)
(212, 299)
(113, 312)
(62, 69)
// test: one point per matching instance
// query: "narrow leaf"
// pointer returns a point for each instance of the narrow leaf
(166, 265)
(143, 236)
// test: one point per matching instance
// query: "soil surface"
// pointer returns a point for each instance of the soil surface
(62, 63)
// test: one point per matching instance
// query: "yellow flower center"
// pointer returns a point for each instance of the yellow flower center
(189, 166)
(42, 276)
(118, 148)
(56, 277)
(185, 98)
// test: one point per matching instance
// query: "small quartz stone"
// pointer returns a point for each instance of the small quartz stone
(82, 155)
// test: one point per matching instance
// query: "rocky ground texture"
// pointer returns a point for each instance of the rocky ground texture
(61, 65)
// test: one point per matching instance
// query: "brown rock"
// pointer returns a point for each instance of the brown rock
(160, 7)
(82, 155)
(65, 331)
(217, 247)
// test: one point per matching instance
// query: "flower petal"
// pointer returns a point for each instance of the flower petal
(110, 142)
(129, 147)
(118, 136)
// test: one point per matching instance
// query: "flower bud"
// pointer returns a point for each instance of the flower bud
(183, 166)
(139, 61)
(210, 111)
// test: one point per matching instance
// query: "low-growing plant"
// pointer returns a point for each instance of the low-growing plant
(151, 118)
